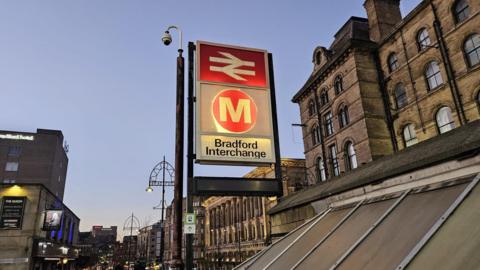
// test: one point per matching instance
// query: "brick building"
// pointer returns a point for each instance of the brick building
(388, 82)
(39, 157)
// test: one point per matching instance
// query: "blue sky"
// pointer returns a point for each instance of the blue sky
(97, 70)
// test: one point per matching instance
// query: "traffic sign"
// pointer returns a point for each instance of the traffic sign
(189, 229)
(190, 218)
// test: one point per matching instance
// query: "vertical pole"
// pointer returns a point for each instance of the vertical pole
(130, 242)
(190, 155)
(278, 164)
(162, 224)
(178, 190)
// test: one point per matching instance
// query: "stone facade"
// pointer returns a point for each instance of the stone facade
(32, 247)
(238, 227)
(400, 81)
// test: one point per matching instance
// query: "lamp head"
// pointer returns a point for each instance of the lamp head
(167, 38)
(149, 189)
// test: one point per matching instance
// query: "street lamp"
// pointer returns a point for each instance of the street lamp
(162, 168)
(179, 134)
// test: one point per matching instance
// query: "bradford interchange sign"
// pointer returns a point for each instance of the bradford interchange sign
(234, 113)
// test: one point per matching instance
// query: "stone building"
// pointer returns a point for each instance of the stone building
(148, 245)
(388, 82)
(31, 245)
(238, 227)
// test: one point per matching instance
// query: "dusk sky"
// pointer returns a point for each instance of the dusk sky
(98, 71)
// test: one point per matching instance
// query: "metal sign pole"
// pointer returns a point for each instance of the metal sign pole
(190, 155)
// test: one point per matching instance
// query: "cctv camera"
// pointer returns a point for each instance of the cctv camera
(167, 38)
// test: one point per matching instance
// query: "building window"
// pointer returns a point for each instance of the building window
(329, 124)
(11, 166)
(433, 75)
(14, 151)
(472, 50)
(350, 157)
(315, 135)
(312, 109)
(320, 168)
(343, 116)
(338, 85)
(324, 97)
(409, 135)
(400, 96)
(392, 62)
(334, 159)
(461, 10)
(318, 58)
(444, 120)
(423, 40)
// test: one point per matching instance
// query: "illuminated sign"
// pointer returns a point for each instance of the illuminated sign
(17, 137)
(52, 220)
(234, 116)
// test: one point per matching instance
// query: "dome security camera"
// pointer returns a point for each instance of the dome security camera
(166, 38)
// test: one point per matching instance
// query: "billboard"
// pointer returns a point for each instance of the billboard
(233, 106)
(52, 220)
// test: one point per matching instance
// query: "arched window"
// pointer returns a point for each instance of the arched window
(338, 84)
(333, 157)
(312, 109)
(350, 157)
(392, 62)
(315, 133)
(343, 116)
(444, 120)
(471, 49)
(461, 11)
(433, 75)
(324, 97)
(320, 170)
(400, 96)
(409, 135)
(423, 40)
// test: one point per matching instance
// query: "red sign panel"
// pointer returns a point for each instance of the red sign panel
(232, 65)
(234, 110)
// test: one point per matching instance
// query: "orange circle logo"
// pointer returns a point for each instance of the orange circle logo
(234, 111)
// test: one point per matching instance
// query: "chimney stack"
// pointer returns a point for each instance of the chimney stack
(382, 15)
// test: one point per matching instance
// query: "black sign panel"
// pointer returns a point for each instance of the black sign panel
(12, 212)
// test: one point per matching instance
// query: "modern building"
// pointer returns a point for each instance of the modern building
(238, 227)
(39, 157)
(37, 230)
(387, 83)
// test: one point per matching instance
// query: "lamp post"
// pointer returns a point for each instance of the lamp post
(179, 134)
(134, 224)
(163, 168)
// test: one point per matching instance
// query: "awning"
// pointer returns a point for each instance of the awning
(428, 227)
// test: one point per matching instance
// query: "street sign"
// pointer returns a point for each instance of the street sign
(234, 112)
(190, 218)
(189, 229)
